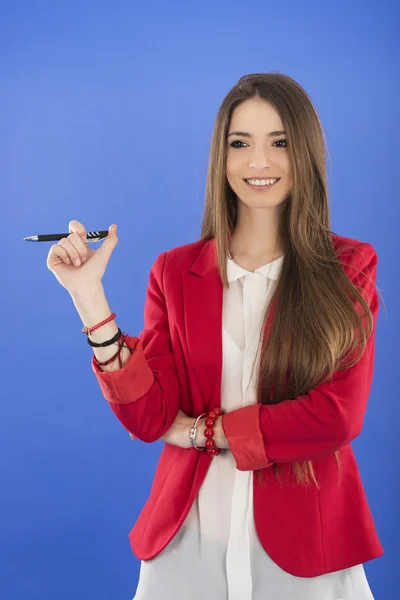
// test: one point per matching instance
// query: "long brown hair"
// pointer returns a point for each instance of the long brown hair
(315, 321)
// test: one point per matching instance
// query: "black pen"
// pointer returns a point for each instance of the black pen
(91, 236)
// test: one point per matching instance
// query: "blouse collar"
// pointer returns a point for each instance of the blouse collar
(269, 270)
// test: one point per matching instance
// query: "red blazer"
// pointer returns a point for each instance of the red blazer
(178, 363)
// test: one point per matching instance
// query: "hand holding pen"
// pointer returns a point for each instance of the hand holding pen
(76, 266)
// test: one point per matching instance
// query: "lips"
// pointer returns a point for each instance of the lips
(259, 179)
(263, 187)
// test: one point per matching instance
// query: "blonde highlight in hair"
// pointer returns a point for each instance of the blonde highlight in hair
(316, 326)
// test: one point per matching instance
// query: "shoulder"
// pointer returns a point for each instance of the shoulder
(354, 251)
(181, 257)
(358, 259)
(178, 258)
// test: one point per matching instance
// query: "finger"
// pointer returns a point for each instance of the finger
(75, 248)
(60, 252)
(77, 227)
(80, 244)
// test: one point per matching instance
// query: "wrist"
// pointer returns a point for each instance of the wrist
(219, 436)
(92, 306)
(200, 440)
(89, 293)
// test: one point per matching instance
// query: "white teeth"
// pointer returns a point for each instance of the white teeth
(261, 182)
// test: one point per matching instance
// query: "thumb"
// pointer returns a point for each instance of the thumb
(110, 241)
(112, 231)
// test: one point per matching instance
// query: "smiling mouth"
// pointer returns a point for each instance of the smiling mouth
(262, 186)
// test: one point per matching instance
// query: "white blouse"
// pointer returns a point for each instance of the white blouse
(217, 554)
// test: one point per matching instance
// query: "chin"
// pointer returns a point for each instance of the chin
(261, 202)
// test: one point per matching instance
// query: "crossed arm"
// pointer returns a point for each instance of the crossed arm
(178, 433)
(145, 394)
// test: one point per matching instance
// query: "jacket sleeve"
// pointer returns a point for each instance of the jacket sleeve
(319, 422)
(145, 394)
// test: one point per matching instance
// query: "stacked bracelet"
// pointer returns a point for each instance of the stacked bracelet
(210, 446)
(118, 337)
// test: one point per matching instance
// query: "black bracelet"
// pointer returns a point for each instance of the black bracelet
(107, 343)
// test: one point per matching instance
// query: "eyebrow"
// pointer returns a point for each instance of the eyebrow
(248, 135)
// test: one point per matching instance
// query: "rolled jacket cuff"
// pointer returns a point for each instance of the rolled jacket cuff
(131, 382)
(242, 430)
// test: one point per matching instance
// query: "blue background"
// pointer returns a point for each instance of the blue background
(106, 115)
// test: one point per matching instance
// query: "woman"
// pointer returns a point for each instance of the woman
(270, 317)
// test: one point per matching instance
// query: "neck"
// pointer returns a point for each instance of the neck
(255, 238)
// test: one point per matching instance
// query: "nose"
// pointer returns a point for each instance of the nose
(259, 159)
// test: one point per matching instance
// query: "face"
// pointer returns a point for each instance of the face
(258, 152)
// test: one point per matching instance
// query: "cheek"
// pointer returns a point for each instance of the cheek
(289, 176)
(234, 167)
(234, 177)
(286, 165)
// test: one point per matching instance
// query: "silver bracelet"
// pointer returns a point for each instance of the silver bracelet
(193, 432)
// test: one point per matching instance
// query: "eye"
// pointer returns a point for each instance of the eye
(279, 141)
(236, 142)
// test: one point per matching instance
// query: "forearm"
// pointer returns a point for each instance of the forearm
(92, 307)
(312, 426)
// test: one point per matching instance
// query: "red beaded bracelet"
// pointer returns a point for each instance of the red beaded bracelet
(209, 431)
(210, 447)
